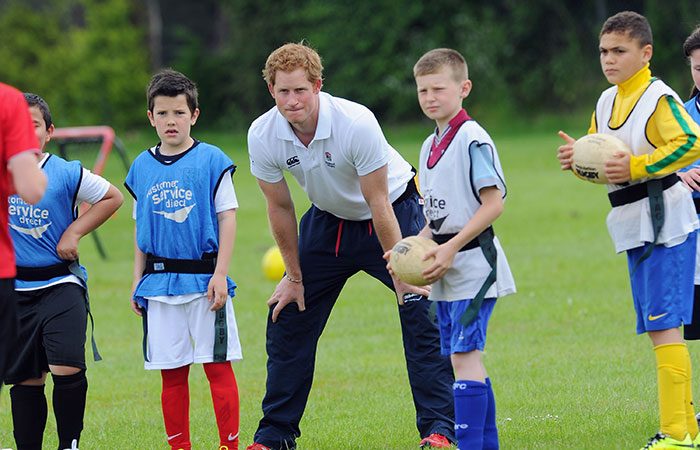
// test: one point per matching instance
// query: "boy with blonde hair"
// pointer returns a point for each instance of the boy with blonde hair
(653, 218)
(462, 183)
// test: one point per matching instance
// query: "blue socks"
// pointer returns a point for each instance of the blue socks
(490, 430)
(475, 415)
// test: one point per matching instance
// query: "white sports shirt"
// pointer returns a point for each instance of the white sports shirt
(348, 143)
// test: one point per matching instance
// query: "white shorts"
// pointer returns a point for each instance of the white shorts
(179, 335)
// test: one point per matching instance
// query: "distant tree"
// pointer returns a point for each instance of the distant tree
(88, 58)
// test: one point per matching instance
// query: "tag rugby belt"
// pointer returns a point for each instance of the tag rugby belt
(156, 264)
(639, 191)
(474, 243)
(42, 273)
(653, 190)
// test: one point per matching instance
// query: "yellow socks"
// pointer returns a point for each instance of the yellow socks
(673, 371)
(689, 408)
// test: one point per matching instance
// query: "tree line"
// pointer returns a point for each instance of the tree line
(92, 59)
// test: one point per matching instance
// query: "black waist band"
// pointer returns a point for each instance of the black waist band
(42, 273)
(637, 192)
(410, 190)
(697, 204)
(156, 264)
(474, 243)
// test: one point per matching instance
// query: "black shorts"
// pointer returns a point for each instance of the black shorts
(52, 326)
(8, 322)
(691, 331)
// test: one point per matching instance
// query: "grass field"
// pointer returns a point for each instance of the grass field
(569, 372)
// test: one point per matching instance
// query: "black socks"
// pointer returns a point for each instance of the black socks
(69, 392)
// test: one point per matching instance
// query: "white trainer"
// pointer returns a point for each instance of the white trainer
(73, 445)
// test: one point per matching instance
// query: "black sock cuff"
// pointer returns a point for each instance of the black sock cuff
(69, 381)
(26, 390)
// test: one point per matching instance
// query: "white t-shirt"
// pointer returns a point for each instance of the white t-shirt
(348, 143)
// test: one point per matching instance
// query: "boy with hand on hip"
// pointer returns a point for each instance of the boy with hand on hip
(185, 211)
(52, 291)
(462, 183)
(649, 117)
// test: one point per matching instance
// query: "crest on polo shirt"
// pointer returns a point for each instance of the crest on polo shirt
(329, 160)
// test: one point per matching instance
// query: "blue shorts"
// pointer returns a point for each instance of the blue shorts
(662, 286)
(455, 337)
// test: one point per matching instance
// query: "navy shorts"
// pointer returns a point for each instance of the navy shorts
(52, 326)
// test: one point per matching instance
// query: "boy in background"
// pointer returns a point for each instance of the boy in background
(18, 174)
(52, 291)
(462, 182)
(185, 211)
(691, 174)
(649, 117)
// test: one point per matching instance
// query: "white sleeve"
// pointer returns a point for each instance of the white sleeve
(225, 197)
(262, 164)
(92, 188)
(370, 149)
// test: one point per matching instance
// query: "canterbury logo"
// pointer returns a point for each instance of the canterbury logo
(652, 318)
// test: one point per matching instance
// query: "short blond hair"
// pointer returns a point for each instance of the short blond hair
(290, 57)
(435, 60)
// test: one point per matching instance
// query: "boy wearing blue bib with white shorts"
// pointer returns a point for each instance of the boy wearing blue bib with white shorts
(185, 211)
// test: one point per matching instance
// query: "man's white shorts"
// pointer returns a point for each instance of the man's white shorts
(179, 335)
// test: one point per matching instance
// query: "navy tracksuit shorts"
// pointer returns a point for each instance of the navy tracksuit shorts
(331, 250)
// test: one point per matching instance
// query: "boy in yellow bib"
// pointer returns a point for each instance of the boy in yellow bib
(653, 218)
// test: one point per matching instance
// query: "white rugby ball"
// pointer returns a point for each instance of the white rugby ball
(590, 154)
(407, 259)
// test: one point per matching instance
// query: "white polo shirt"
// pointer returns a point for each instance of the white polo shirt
(348, 143)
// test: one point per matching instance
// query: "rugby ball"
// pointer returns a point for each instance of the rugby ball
(406, 259)
(590, 154)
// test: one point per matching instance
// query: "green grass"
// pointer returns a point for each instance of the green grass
(569, 372)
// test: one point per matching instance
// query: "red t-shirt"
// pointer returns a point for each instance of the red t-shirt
(16, 136)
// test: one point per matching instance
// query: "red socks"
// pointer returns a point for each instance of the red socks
(224, 394)
(176, 404)
(175, 399)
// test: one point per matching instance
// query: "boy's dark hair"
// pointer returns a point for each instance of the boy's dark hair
(35, 100)
(691, 44)
(632, 23)
(171, 83)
